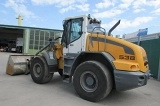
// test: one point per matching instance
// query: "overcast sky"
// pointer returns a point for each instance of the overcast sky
(134, 14)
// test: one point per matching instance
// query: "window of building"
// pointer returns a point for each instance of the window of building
(40, 38)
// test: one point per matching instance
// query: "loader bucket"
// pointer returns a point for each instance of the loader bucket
(17, 64)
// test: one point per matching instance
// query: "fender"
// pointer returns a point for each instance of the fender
(83, 57)
(50, 58)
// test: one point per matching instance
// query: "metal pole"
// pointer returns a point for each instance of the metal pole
(139, 40)
(26, 37)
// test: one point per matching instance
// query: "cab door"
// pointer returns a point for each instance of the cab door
(73, 39)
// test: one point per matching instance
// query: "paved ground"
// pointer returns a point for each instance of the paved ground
(21, 91)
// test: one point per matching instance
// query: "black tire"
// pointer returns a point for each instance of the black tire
(92, 81)
(39, 70)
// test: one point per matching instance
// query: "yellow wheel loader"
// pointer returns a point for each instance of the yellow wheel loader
(92, 59)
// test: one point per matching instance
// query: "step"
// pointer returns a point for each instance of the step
(68, 66)
(69, 57)
(67, 69)
(66, 79)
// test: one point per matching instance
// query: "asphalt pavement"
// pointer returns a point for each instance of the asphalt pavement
(20, 90)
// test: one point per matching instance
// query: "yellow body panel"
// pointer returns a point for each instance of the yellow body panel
(120, 64)
(59, 55)
(128, 56)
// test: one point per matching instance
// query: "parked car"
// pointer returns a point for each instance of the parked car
(12, 46)
(3, 44)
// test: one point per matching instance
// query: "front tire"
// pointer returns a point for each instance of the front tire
(39, 70)
(92, 81)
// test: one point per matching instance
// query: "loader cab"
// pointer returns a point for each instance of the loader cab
(75, 31)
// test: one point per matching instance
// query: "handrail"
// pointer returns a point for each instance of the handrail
(104, 33)
(109, 33)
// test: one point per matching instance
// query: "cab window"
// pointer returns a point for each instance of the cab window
(76, 29)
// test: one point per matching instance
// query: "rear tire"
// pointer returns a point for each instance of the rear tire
(39, 70)
(92, 81)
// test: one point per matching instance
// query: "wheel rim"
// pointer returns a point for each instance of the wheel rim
(89, 81)
(37, 70)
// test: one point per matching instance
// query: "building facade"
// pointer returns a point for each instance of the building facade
(33, 38)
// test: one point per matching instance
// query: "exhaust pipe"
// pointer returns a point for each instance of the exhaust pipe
(109, 32)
